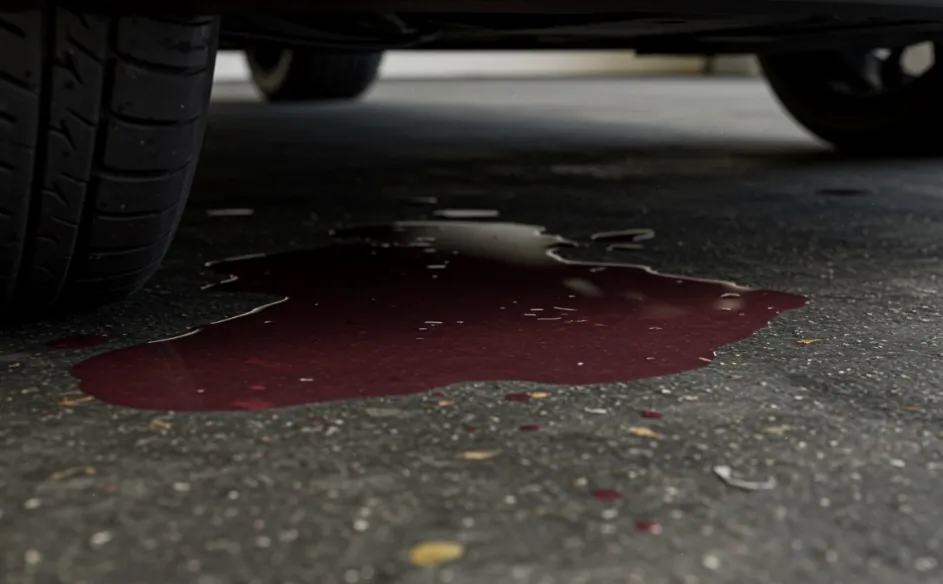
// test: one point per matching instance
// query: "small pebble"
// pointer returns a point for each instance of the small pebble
(710, 561)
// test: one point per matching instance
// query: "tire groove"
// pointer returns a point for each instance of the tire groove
(85, 50)
(34, 212)
(159, 68)
(19, 83)
(151, 123)
(112, 216)
(118, 174)
(11, 28)
(106, 252)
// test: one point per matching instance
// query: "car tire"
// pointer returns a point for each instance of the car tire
(101, 123)
(821, 92)
(304, 75)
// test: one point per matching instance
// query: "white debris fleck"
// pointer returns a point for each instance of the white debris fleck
(597, 411)
(710, 561)
(288, 536)
(925, 564)
(182, 487)
(898, 463)
(583, 287)
(725, 473)
(32, 557)
(101, 538)
(31, 504)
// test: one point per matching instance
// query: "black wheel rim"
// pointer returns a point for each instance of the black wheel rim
(876, 72)
(267, 58)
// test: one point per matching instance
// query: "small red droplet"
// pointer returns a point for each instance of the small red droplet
(607, 494)
(652, 527)
(257, 387)
(78, 342)
(652, 415)
(438, 394)
(517, 397)
(530, 428)
(471, 428)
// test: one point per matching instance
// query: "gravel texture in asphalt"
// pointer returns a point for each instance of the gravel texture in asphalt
(809, 453)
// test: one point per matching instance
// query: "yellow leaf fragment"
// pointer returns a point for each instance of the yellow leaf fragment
(71, 403)
(539, 395)
(644, 432)
(776, 430)
(444, 403)
(480, 454)
(807, 341)
(434, 553)
(159, 425)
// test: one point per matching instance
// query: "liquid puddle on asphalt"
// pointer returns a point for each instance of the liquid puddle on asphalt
(411, 307)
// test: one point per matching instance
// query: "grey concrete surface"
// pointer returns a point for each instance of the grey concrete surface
(340, 492)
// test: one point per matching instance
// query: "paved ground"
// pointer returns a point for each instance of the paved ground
(340, 492)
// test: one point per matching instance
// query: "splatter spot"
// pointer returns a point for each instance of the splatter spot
(607, 494)
(652, 527)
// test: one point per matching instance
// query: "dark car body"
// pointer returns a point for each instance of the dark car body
(103, 103)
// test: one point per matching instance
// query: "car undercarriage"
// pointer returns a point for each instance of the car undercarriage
(103, 106)
(644, 32)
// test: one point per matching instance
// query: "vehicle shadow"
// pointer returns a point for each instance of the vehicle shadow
(328, 146)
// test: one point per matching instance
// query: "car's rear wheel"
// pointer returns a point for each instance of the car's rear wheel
(305, 75)
(101, 122)
(870, 101)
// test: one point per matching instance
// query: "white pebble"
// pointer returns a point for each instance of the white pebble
(710, 561)
(101, 538)
(925, 564)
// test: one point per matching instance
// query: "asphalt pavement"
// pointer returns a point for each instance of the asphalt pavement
(807, 453)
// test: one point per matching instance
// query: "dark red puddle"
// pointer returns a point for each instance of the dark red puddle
(78, 342)
(529, 428)
(652, 415)
(425, 304)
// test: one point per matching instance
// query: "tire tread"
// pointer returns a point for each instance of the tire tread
(97, 162)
